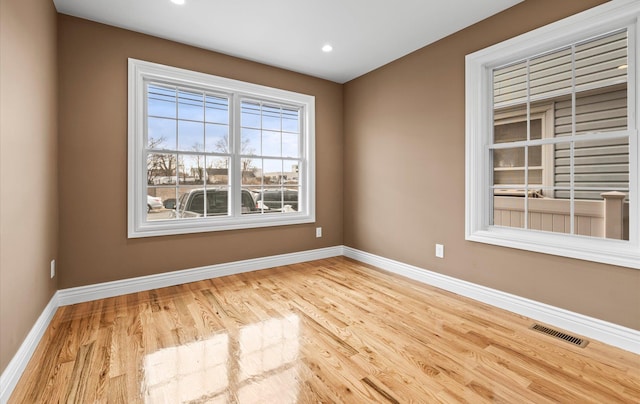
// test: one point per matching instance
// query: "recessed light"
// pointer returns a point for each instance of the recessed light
(180, 2)
(327, 48)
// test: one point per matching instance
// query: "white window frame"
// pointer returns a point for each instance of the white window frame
(608, 17)
(141, 72)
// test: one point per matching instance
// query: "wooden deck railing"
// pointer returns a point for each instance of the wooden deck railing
(607, 218)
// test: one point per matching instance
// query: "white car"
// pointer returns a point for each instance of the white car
(153, 203)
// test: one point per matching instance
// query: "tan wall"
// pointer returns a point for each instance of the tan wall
(93, 160)
(28, 178)
(404, 176)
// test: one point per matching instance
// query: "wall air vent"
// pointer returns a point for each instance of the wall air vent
(561, 335)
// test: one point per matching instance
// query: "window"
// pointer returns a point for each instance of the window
(203, 150)
(552, 139)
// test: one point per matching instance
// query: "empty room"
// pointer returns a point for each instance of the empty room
(357, 201)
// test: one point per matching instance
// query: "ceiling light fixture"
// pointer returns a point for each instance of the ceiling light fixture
(180, 2)
(327, 48)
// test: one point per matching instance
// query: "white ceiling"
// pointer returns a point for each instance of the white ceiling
(365, 34)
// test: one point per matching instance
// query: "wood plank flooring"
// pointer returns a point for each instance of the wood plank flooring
(328, 331)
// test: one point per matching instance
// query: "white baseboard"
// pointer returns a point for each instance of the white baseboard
(12, 373)
(609, 333)
(122, 287)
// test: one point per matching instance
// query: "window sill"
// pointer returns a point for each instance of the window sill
(201, 225)
(613, 252)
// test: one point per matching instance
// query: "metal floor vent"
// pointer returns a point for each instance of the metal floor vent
(561, 335)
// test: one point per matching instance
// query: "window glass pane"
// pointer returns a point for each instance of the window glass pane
(279, 135)
(271, 199)
(250, 115)
(510, 84)
(290, 145)
(217, 170)
(550, 74)
(508, 166)
(535, 177)
(601, 110)
(291, 120)
(592, 218)
(544, 77)
(291, 172)
(190, 136)
(190, 105)
(161, 133)
(216, 138)
(601, 164)
(535, 156)
(161, 168)
(271, 143)
(271, 118)
(218, 201)
(602, 60)
(538, 218)
(508, 208)
(272, 174)
(168, 195)
(161, 101)
(251, 142)
(545, 164)
(251, 171)
(517, 131)
(562, 169)
(217, 110)
(190, 202)
(547, 214)
(290, 198)
(543, 214)
(248, 202)
(191, 169)
(159, 203)
(615, 221)
(196, 204)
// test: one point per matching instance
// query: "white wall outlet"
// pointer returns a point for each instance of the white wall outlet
(318, 232)
(53, 268)
(440, 250)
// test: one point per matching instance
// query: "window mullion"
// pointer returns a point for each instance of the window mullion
(572, 168)
(235, 172)
(526, 148)
(633, 38)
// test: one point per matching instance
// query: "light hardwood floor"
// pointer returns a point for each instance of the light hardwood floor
(326, 331)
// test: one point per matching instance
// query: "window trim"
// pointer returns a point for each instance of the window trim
(610, 16)
(140, 72)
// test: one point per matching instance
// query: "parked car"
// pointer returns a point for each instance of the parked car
(169, 203)
(154, 203)
(192, 203)
(286, 200)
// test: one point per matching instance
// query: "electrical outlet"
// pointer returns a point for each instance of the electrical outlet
(53, 268)
(318, 232)
(440, 250)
